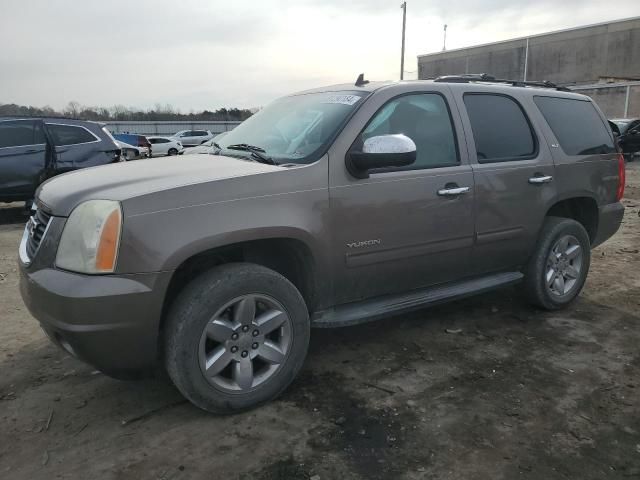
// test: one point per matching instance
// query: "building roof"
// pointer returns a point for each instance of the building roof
(538, 35)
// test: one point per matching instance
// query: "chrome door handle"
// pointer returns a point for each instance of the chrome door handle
(453, 192)
(539, 180)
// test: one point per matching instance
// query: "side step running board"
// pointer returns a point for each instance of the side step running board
(380, 307)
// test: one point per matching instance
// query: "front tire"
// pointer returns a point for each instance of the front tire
(236, 337)
(559, 266)
(172, 152)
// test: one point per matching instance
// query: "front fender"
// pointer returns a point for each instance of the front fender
(162, 240)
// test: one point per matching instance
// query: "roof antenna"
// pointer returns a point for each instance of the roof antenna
(361, 81)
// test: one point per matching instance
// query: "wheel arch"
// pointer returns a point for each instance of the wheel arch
(583, 209)
(290, 256)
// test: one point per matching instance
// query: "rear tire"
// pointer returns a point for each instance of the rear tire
(251, 352)
(559, 265)
(172, 152)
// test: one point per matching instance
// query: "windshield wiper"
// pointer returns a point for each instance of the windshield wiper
(257, 153)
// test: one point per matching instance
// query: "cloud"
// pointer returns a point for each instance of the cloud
(198, 54)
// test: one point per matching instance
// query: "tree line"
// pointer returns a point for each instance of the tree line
(123, 113)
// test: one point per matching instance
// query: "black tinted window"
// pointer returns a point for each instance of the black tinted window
(425, 119)
(19, 133)
(70, 135)
(500, 130)
(200, 133)
(576, 125)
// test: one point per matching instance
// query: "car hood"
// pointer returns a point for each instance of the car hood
(122, 181)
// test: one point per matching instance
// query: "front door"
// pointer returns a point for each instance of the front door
(23, 150)
(513, 174)
(403, 228)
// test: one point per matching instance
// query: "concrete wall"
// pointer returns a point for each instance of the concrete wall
(576, 56)
(613, 100)
(168, 128)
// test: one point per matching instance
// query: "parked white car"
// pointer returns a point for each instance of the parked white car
(190, 138)
(208, 147)
(162, 146)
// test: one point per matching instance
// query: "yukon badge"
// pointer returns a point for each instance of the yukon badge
(364, 243)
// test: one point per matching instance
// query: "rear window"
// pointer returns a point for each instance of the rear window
(500, 129)
(20, 133)
(70, 135)
(576, 125)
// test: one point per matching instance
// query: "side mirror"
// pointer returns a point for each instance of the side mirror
(384, 151)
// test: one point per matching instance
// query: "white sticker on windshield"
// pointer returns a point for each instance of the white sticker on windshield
(343, 99)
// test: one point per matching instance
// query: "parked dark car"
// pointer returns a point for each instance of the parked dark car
(34, 149)
(135, 140)
(328, 208)
(628, 136)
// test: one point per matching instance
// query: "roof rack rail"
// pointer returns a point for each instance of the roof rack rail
(484, 77)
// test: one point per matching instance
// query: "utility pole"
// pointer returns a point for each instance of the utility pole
(444, 44)
(404, 26)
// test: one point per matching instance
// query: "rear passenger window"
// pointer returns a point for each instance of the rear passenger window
(70, 135)
(500, 129)
(576, 125)
(425, 119)
(20, 133)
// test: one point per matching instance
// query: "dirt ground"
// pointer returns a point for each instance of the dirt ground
(515, 394)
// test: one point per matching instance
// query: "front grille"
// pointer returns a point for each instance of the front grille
(36, 228)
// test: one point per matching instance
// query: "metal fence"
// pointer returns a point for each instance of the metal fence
(617, 100)
(168, 128)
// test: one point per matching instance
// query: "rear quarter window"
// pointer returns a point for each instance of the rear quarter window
(576, 125)
(70, 135)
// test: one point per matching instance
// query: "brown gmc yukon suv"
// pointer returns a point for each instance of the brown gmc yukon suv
(327, 208)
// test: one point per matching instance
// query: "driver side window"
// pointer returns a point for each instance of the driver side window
(425, 119)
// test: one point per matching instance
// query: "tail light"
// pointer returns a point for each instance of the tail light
(621, 177)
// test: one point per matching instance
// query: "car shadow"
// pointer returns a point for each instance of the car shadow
(13, 213)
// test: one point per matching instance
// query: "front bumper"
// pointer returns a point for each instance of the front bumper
(609, 220)
(109, 321)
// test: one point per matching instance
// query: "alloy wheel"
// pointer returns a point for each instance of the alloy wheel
(245, 343)
(564, 265)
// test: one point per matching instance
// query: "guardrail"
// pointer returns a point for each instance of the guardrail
(168, 127)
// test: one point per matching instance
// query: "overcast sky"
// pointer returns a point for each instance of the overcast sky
(204, 54)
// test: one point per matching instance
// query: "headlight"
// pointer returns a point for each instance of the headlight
(91, 237)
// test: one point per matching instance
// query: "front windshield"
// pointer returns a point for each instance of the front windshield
(294, 129)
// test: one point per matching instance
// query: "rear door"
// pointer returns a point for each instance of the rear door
(200, 136)
(398, 230)
(76, 147)
(513, 174)
(188, 138)
(22, 158)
